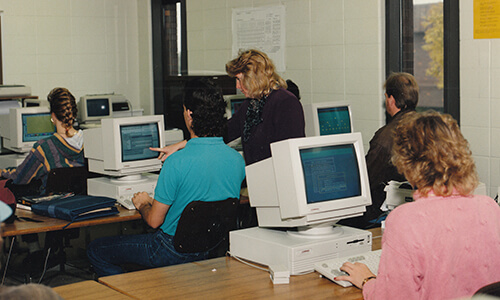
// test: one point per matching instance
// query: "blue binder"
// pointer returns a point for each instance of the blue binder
(76, 208)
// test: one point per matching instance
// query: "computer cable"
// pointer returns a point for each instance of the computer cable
(45, 265)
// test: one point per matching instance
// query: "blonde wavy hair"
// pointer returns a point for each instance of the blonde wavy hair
(433, 155)
(259, 73)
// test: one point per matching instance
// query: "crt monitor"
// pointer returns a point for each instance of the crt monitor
(35, 102)
(120, 147)
(92, 108)
(328, 118)
(310, 183)
(233, 103)
(23, 126)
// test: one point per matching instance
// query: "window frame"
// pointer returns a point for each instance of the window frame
(160, 76)
(399, 38)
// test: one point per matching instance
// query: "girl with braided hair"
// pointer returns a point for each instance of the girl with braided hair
(64, 149)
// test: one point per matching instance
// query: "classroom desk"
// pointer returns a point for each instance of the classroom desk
(20, 227)
(88, 289)
(226, 278)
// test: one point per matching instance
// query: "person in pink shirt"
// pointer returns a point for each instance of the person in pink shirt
(445, 244)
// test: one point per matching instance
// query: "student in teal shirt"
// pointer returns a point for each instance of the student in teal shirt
(205, 170)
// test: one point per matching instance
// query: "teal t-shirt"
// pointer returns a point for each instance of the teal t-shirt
(205, 170)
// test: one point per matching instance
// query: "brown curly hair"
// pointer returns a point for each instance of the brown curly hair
(259, 73)
(63, 105)
(432, 153)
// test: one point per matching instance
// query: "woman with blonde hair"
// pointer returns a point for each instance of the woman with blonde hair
(270, 114)
(63, 149)
(445, 244)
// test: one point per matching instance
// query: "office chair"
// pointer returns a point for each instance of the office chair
(67, 180)
(204, 226)
(59, 180)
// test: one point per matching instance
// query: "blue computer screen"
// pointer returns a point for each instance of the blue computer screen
(136, 140)
(334, 120)
(36, 126)
(235, 105)
(98, 107)
(330, 173)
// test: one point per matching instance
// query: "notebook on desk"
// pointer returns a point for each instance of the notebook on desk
(29, 200)
(76, 208)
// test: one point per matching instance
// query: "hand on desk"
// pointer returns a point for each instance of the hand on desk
(140, 199)
(357, 273)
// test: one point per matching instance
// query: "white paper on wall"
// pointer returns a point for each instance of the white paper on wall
(260, 28)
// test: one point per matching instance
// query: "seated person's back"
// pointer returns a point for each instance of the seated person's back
(63, 149)
(445, 244)
(205, 170)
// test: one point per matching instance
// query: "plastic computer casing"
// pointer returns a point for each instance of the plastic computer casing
(341, 124)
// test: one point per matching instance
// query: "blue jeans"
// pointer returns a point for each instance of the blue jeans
(149, 250)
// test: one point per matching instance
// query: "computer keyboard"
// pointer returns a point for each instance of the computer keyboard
(331, 268)
(126, 201)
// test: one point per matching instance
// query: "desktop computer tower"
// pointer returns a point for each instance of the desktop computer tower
(273, 247)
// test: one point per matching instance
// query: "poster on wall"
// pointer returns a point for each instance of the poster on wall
(486, 19)
(260, 28)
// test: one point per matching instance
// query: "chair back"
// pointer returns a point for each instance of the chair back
(205, 225)
(67, 180)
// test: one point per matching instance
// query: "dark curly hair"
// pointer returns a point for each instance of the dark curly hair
(63, 105)
(204, 99)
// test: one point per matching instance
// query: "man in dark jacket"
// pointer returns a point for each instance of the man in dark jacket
(401, 97)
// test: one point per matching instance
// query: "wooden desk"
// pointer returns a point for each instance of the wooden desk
(226, 278)
(20, 227)
(88, 290)
(376, 238)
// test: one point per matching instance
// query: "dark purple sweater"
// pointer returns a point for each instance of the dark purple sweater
(283, 118)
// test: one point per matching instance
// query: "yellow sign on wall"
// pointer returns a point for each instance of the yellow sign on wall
(486, 19)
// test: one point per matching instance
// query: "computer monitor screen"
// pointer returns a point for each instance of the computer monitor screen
(334, 120)
(93, 108)
(120, 146)
(36, 126)
(136, 140)
(23, 126)
(98, 107)
(330, 173)
(31, 104)
(235, 105)
(234, 102)
(35, 102)
(310, 181)
(328, 118)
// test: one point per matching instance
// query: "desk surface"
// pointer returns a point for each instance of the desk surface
(88, 290)
(224, 278)
(20, 227)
